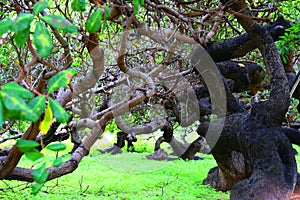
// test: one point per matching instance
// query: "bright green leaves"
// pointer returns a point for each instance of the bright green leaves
(78, 5)
(16, 108)
(136, 5)
(61, 79)
(28, 148)
(38, 104)
(21, 27)
(39, 7)
(1, 114)
(17, 102)
(14, 88)
(26, 145)
(141, 2)
(20, 37)
(34, 155)
(57, 162)
(42, 40)
(59, 22)
(22, 22)
(107, 12)
(289, 42)
(58, 111)
(40, 174)
(13, 105)
(97, 19)
(56, 147)
(36, 187)
(94, 21)
(5, 26)
(54, 109)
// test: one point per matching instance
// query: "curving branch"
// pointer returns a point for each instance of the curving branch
(97, 56)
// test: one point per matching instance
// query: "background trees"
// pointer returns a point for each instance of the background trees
(82, 64)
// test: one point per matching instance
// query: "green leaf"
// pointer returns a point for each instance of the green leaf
(59, 112)
(33, 155)
(15, 89)
(94, 21)
(106, 15)
(47, 121)
(284, 59)
(136, 5)
(5, 26)
(20, 37)
(26, 145)
(56, 147)
(38, 104)
(40, 174)
(61, 79)
(17, 108)
(40, 6)
(141, 2)
(59, 22)
(42, 40)
(78, 5)
(36, 187)
(57, 162)
(1, 113)
(22, 22)
(107, 12)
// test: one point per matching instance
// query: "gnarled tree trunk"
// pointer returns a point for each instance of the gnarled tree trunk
(255, 158)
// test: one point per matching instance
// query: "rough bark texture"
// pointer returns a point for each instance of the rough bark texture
(241, 45)
(255, 157)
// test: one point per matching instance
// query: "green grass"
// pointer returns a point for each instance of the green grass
(125, 176)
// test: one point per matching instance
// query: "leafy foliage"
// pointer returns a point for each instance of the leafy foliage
(40, 175)
(42, 40)
(15, 89)
(21, 37)
(5, 26)
(22, 22)
(16, 108)
(289, 42)
(26, 145)
(58, 111)
(61, 79)
(60, 23)
(56, 147)
(38, 104)
(93, 23)
(40, 6)
(13, 105)
(78, 5)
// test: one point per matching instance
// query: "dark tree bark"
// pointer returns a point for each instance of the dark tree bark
(255, 157)
(117, 147)
(245, 76)
(241, 45)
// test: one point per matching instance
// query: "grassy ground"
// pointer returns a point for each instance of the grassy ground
(125, 176)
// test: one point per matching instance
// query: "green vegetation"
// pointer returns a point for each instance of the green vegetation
(125, 176)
